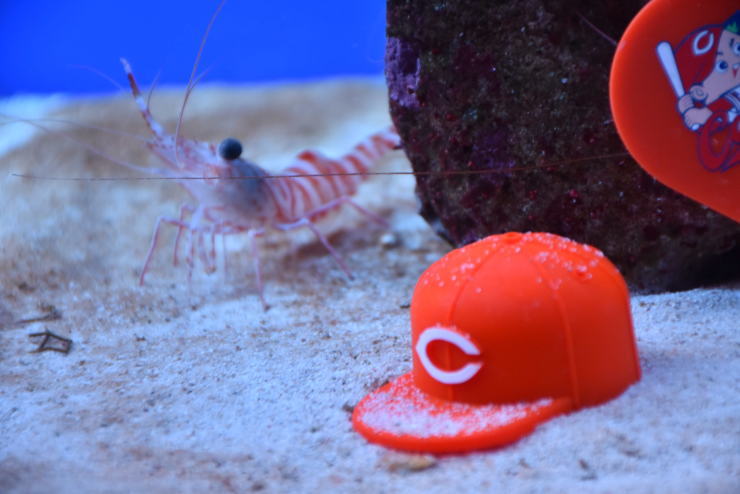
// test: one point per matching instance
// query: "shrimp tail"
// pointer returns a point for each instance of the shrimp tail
(373, 148)
(314, 181)
(366, 154)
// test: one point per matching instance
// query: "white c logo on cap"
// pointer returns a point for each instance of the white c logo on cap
(438, 333)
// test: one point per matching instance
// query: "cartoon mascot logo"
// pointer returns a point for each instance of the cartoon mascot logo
(704, 72)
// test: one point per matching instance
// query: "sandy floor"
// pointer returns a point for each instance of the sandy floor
(184, 386)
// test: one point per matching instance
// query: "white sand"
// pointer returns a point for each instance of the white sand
(190, 387)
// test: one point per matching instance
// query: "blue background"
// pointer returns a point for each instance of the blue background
(251, 41)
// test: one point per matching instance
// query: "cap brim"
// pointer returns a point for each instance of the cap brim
(399, 415)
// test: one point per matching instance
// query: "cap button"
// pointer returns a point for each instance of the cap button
(511, 238)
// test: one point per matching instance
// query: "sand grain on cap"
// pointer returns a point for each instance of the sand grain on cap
(401, 408)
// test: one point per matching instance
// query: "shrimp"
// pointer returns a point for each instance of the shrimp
(234, 196)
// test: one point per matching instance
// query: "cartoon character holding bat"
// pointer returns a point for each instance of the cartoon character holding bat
(704, 72)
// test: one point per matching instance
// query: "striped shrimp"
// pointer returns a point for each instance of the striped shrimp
(312, 186)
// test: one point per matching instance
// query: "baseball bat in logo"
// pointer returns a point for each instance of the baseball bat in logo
(668, 61)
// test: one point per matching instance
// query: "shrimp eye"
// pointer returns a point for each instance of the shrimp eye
(722, 65)
(736, 48)
(230, 149)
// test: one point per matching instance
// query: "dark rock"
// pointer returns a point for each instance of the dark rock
(520, 87)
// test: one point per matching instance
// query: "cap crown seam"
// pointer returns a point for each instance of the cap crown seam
(565, 324)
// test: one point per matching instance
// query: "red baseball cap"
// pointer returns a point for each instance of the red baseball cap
(506, 333)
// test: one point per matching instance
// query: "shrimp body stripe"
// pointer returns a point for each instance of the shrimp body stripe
(305, 167)
(365, 149)
(310, 166)
(295, 197)
(339, 185)
(304, 190)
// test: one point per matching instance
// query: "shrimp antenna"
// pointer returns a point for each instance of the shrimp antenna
(428, 173)
(99, 73)
(116, 84)
(149, 93)
(193, 79)
(9, 120)
(598, 31)
(131, 166)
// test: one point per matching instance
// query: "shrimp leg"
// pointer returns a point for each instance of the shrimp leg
(339, 201)
(305, 221)
(192, 228)
(183, 209)
(155, 240)
(254, 252)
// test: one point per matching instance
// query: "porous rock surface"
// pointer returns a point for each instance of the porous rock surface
(520, 88)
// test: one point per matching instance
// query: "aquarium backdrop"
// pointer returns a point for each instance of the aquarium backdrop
(43, 43)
